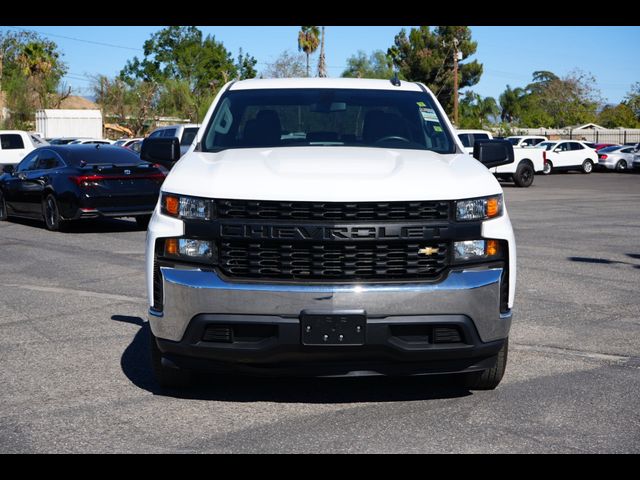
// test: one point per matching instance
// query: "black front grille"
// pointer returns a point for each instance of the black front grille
(331, 261)
(332, 211)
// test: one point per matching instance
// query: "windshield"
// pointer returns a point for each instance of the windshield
(326, 117)
(546, 145)
(513, 140)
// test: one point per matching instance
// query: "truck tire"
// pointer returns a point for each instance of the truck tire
(51, 213)
(490, 378)
(167, 377)
(3, 207)
(548, 167)
(587, 166)
(524, 175)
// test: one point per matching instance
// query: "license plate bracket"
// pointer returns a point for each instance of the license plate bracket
(343, 328)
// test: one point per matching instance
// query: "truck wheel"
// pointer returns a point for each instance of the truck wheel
(3, 208)
(548, 166)
(143, 221)
(490, 378)
(524, 175)
(51, 213)
(167, 377)
(587, 166)
(621, 166)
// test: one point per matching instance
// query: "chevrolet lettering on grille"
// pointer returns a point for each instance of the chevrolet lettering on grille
(335, 233)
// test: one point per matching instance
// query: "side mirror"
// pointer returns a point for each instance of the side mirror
(8, 169)
(165, 151)
(556, 150)
(493, 153)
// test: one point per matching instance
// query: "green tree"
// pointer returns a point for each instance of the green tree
(376, 65)
(632, 99)
(427, 56)
(287, 65)
(245, 66)
(31, 70)
(476, 111)
(620, 115)
(511, 104)
(308, 41)
(183, 54)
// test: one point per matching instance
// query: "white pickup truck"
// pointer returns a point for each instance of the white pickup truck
(15, 144)
(527, 161)
(329, 227)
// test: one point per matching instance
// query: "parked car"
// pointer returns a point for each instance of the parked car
(563, 155)
(527, 161)
(185, 133)
(62, 140)
(15, 144)
(126, 142)
(600, 146)
(91, 141)
(370, 243)
(636, 158)
(526, 141)
(619, 158)
(61, 183)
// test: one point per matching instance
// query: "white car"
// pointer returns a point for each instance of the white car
(367, 241)
(563, 155)
(526, 161)
(185, 133)
(526, 141)
(127, 142)
(91, 141)
(15, 144)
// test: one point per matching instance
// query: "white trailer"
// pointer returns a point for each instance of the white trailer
(69, 123)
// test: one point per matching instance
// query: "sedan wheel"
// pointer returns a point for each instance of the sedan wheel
(547, 168)
(621, 166)
(51, 214)
(587, 166)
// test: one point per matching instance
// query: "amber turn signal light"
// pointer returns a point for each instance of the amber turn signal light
(171, 246)
(171, 205)
(493, 206)
(493, 247)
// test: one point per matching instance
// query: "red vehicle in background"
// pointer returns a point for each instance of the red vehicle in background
(603, 145)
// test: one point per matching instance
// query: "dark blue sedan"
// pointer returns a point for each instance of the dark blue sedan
(62, 183)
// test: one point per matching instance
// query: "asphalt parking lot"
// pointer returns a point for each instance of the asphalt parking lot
(75, 375)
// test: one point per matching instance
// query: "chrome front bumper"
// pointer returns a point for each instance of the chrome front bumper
(474, 292)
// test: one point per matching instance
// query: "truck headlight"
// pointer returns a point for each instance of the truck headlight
(188, 208)
(479, 208)
(475, 250)
(191, 249)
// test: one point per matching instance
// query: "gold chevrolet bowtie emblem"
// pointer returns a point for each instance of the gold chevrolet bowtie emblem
(427, 251)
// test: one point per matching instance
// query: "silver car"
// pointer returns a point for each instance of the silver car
(618, 157)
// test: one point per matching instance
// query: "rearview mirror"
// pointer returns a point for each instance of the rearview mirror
(493, 153)
(165, 151)
(8, 169)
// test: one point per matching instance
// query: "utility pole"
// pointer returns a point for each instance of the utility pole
(322, 65)
(455, 81)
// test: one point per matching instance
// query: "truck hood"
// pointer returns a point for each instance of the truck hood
(339, 174)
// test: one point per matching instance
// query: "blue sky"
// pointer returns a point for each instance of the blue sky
(509, 54)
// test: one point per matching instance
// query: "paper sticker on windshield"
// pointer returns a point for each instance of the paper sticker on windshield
(428, 115)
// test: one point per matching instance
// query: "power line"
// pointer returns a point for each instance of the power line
(77, 39)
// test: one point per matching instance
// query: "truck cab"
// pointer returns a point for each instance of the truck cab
(329, 227)
(15, 144)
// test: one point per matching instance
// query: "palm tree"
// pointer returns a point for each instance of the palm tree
(510, 103)
(308, 41)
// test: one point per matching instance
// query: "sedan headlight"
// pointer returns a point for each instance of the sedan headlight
(479, 208)
(191, 250)
(476, 250)
(188, 208)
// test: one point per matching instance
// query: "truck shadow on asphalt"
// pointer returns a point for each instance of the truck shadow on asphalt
(136, 366)
(605, 261)
(100, 225)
